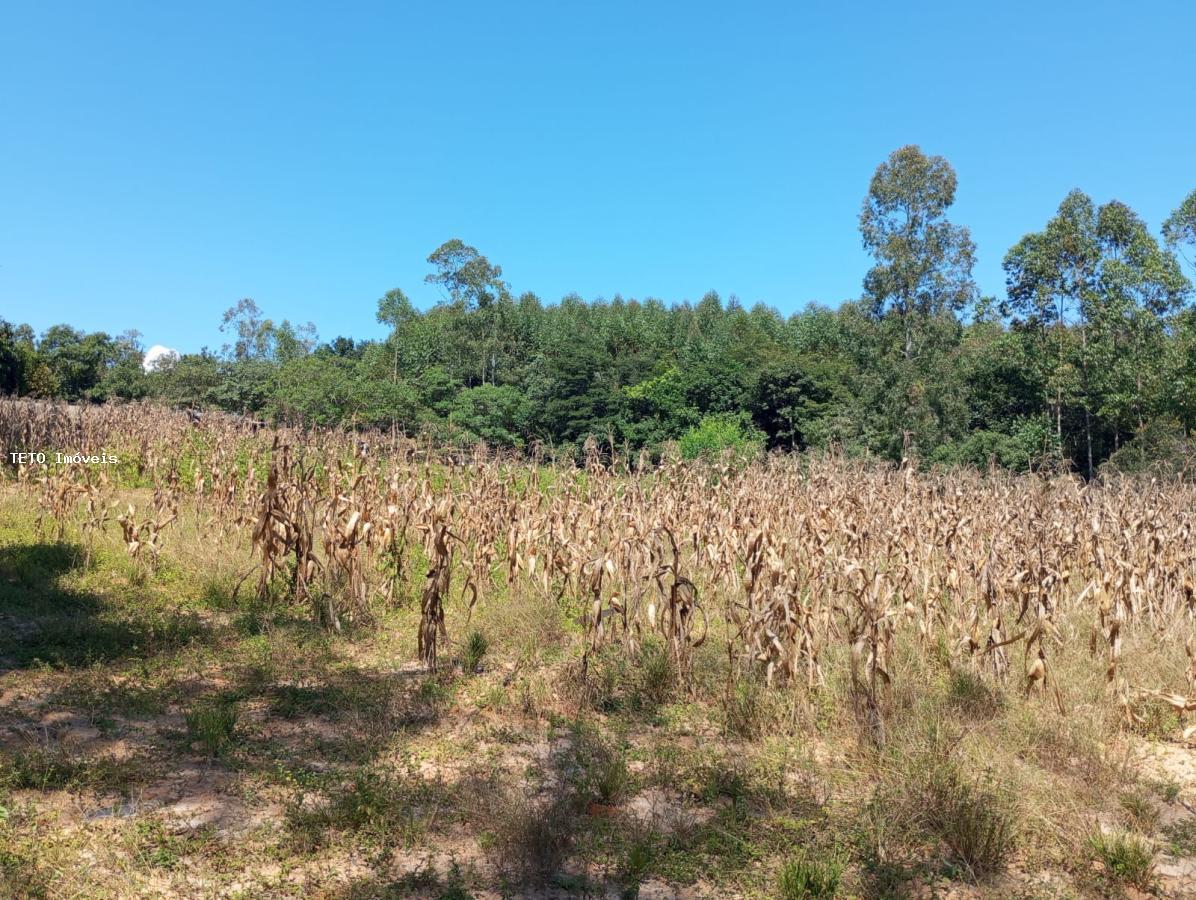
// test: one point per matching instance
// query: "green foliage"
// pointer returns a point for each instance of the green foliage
(595, 767)
(746, 709)
(807, 878)
(1125, 857)
(387, 807)
(1091, 354)
(793, 402)
(923, 262)
(718, 433)
(1027, 442)
(1160, 448)
(641, 684)
(658, 408)
(974, 817)
(211, 723)
(474, 651)
(496, 415)
(1179, 231)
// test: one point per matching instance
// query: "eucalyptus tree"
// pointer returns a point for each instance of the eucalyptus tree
(1179, 231)
(920, 281)
(474, 285)
(923, 262)
(395, 310)
(1048, 275)
(1139, 291)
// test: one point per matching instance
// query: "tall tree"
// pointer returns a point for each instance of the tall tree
(395, 310)
(475, 284)
(1179, 231)
(1048, 276)
(1139, 290)
(923, 262)
(465, 274)
(921, 279)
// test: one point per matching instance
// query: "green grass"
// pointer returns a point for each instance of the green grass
(975, 818)
(56, 767)
(384, 806)
(1125, 857)
(212, 723)
(473, 652)
(1181, 837)
(806, 878)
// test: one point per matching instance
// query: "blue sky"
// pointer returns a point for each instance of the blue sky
(160, 161)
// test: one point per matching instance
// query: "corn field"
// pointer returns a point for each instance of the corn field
(788, 566)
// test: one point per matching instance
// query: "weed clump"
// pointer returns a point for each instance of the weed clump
(1125, 857)
(974, 817)
(212, 723)
(474, 651)
(806, 878)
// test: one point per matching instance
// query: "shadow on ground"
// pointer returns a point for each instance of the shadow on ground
(48, 622)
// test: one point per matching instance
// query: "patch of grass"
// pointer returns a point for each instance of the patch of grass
(454, 884)
(103, 695)
(436, 691)
(746, 709)
(529, 840)
(1141, 812)
(153, 845)
(388, 808)
(806, 878)
(1155, 719)
(639, 684)
(473, 652)
(72, 641)
(212, 723)
(880, 837)
(638, 856)
(656, 676)
(1168, 790)
(41, 769)
(290, 701)
(20, 874)
(972, 695)
(1126, 858)
(594, 767)
(1181, 837)
(931, 794)
(974, 818)
(59, 768)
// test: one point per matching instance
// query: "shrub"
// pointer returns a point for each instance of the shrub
(716, 433)
(1160, 448)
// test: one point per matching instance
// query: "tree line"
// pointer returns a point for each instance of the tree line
(1088, 359)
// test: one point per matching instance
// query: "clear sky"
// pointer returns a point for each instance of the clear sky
(159, 161)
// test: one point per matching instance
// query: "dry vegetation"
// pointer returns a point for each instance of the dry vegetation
(251, 663)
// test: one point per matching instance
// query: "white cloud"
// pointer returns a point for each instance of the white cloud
(158, 356)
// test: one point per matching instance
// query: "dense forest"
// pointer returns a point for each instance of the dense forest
(1088, 360)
